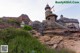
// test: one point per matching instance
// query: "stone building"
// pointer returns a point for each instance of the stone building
(52, 26)
(69, 22)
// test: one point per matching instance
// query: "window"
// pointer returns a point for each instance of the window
(48, 18)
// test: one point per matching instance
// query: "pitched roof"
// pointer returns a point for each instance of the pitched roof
(67, 20)
(47, 7)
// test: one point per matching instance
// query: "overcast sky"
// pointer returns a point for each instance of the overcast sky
(35, 9)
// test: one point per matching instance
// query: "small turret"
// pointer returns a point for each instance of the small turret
(49, 15)
(61, 17)
(47, 7)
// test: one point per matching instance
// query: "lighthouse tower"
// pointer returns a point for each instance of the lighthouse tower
(49, 15)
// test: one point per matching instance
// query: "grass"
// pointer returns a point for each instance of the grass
(21, 41)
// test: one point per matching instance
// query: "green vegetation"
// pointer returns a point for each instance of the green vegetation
(13, 21)
(63, 50)
(21, 41)
(27, 27)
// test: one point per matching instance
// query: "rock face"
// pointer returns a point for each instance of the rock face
(57, 34)
(24, 18)
(71, 42)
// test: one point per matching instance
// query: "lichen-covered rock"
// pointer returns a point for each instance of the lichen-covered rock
(59, 42)
(56, 39)
(44, 38)
(54, 46)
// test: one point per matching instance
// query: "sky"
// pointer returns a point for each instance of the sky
(35, 9)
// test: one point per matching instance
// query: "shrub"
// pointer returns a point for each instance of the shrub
(21, 41)
(27, 27)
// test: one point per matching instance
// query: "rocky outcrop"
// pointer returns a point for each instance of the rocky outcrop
(24, 18)
(71, 42)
